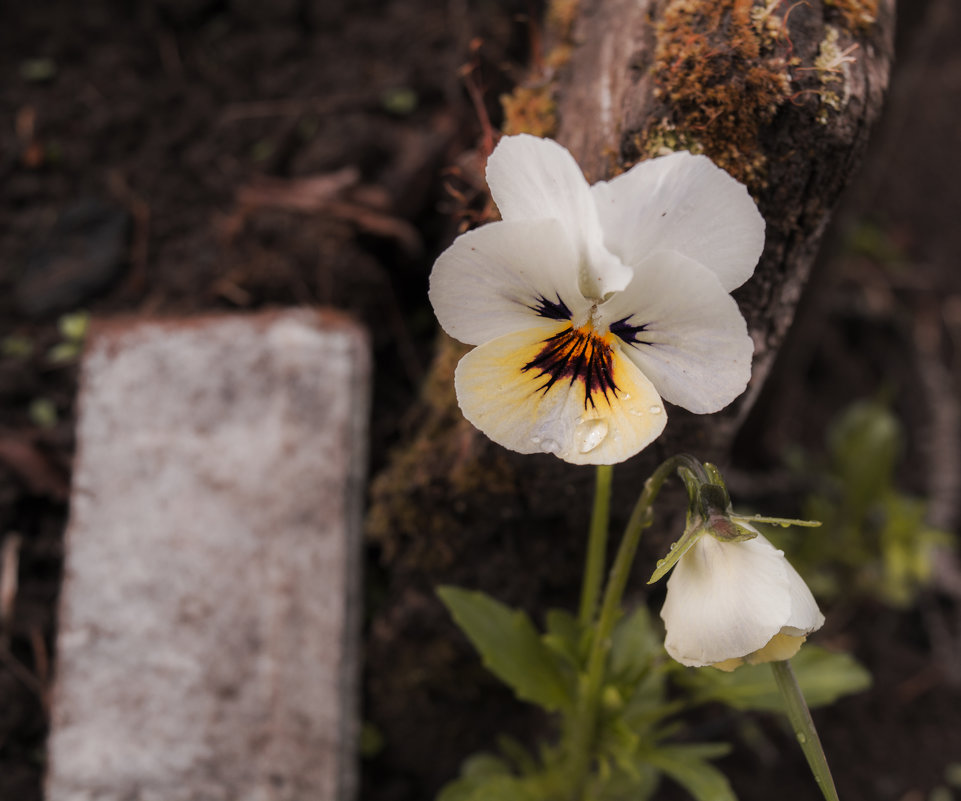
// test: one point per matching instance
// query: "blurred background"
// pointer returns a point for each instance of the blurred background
(178, 156)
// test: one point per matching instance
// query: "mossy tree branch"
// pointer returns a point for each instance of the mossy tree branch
(782, 95)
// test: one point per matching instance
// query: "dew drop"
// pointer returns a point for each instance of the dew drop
(801, 738)
(625, 396)
(655, 410)
(780, 552)
(589, 434)
(536, 440)
(673, 546)
(660, 563)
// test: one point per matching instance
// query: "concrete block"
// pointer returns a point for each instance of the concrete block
(209, 620)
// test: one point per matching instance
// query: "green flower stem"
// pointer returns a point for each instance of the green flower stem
(807, 735)
(584, 730)
(596, 544)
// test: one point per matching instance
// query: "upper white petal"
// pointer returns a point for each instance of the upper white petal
(725, 600)
(532, 178)
(488, 282)
(684, 203)
(694, 347)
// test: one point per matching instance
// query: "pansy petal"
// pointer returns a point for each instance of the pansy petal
(725, 600)
(532, 178)
(805, 616)
(684, 203)
(505, 389)
(684, 331)
(504, 276)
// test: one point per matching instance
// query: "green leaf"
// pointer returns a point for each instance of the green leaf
(16, 346)
(510, 647)
(685, 764)
(64, 352)
(43, 412)
(482, 765)
(634, 646)
(824, 677)
(74, 326)
(486, 788)
(864, 445)
(564, 636)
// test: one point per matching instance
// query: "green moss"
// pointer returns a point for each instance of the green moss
(410, 513)
(831, 67)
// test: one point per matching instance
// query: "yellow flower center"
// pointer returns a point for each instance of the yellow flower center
(577, 354)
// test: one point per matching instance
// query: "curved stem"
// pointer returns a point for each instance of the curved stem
(596, 544)
(807, 735)
(584, 733)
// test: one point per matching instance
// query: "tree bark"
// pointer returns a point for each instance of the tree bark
(782, 96)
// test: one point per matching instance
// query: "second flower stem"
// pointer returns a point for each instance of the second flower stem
(584, 733)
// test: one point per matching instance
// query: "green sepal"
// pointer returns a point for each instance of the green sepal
(510, 647)
(691, 535)
(783, 522)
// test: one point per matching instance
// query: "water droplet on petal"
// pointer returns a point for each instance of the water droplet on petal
(655, 410)
(660, 563)
(625, 396)
(780, 552)
(589, 434)
(536, 440)
(673, 546)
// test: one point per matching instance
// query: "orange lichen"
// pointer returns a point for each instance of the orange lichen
(856, 14)
(722, 76)
(560, 17)
(529, 110)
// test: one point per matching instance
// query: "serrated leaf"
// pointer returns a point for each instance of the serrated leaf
(685, 764)
(824, 677)
(510, 647)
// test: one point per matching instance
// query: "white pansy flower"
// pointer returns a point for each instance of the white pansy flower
(590, 304)
(733, 602)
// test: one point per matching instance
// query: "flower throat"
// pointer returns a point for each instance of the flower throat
(577, 354)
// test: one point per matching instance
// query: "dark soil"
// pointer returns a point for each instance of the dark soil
(177, 156)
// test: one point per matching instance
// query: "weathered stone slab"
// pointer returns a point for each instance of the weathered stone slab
(209, 619)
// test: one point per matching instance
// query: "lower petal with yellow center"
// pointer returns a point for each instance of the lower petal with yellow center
(563, 390)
